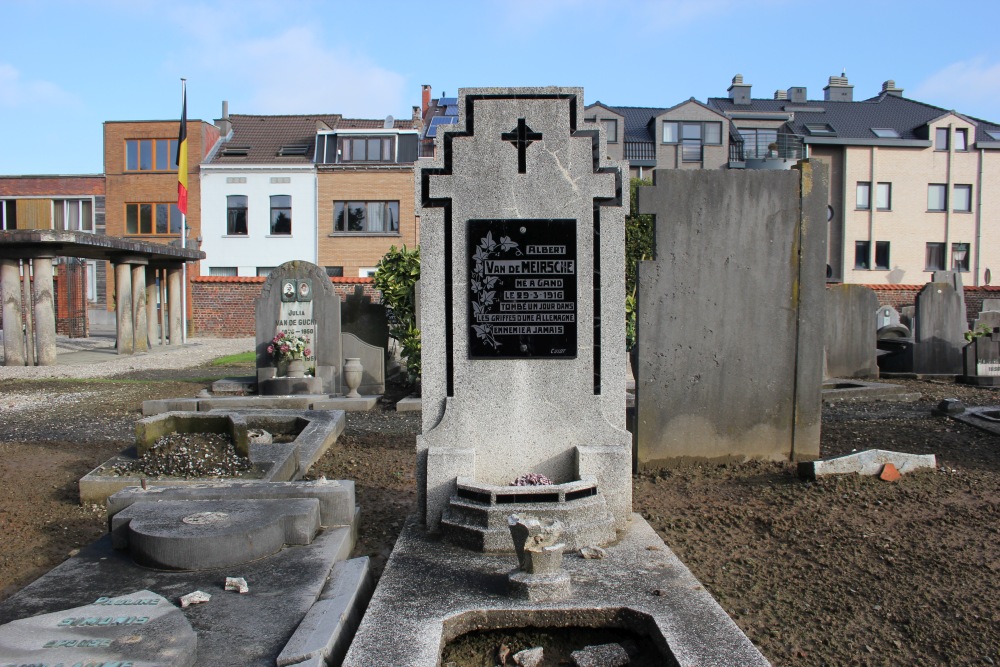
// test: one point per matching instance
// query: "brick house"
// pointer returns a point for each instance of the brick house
(913, 187)
(337, 192)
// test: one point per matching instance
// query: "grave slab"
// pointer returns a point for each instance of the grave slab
(234, 630)
(984, 418)
(868, 462)
(432, 592)
(104, 632)
(836, 390)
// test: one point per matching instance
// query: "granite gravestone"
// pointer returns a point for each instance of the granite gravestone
(732, 246)
(939, 330)
(850, 331)
(522, 303)
(889, 324)
(298, 297)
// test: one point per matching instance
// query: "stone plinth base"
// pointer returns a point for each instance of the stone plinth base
(539, 587)
(286, 386)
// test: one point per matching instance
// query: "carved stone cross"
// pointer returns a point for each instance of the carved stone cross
(521, 137)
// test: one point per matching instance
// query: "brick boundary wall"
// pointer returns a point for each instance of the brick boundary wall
(224, 306)
(898, 296)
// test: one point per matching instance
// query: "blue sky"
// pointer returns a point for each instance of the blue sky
(67, 66)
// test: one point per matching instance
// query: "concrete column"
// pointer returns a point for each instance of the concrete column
(139, 326)
(29, 320)
(174, 287)
(13, 325)
(45, 312)
(123, 309)
(151, 328)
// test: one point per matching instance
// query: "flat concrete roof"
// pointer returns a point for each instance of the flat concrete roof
(28, 243)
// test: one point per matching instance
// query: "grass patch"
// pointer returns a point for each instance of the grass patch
(240, 359)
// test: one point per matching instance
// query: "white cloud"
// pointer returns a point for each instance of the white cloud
(16, 92)
(967, 86)
(294, 72)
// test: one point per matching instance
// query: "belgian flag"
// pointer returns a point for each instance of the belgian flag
(182, 156)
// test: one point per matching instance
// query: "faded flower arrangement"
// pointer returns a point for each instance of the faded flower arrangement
(286, 347)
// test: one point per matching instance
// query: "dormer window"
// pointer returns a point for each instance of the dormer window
(365, 149)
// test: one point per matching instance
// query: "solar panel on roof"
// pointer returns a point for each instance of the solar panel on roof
(447, 101)
(451, 110)
(443, 120)
(432, 131)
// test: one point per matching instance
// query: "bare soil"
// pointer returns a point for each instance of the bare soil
(841, 571)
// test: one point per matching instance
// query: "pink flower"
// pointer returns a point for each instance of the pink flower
(270, 349)
(308, 352)
(285, 348)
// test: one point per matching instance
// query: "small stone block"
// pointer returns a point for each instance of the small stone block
(604, 655)
(868, 462)
(539, 587)
(950, 406)
(530, 657)
(889, 473)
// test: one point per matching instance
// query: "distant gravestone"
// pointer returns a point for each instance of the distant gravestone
(850, 331)
(981, 359)
(889, 324)
(522, 306)
(990, 319)
(732, 246)
(298, 297)
(953, 278)
(991, 304)
(939, 332)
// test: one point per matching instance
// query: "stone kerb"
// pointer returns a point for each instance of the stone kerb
(312, 308)
(731, 315)
(519, 179)
(150, 429)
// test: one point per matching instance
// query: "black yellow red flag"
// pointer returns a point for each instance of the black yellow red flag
(182, 157)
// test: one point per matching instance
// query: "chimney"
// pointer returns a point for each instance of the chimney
(838, 90)
(224, 125)
(739, 92)
(417, 118)
(425, 92)
(797, 94)
(889, 88)
(780, 95)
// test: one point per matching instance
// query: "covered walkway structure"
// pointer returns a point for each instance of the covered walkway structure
(137, 265)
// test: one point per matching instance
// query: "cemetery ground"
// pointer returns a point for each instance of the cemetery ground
(840, 571)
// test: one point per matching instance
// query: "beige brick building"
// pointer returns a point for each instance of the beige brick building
(914, 188)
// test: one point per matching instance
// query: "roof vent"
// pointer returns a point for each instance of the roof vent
(780, 95)
(889, 88)
(235, 151)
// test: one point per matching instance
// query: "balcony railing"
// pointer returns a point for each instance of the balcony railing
(786, 146)
(640, 150)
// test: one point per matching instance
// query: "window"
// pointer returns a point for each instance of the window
(365, 149)
(264, 271)
(883, 196)
(8, 214)
(227, 271)
(960, 256)
(937, 197)
(281, 215)
(92, 280)
(994, 134)
(670, 132)
(610, 129)
(885, 133)
(236, 215)
(375, 217)
(150, 155)
(756, 141)
(691, 142)
(821, 129)
(366, 272)
(157, 219)
(934, 258)
(864, 196)
(961, 139)
(941, 139)
(73, 215)
(961, 198)
(862, 254)
(335, 271)
(882, 255)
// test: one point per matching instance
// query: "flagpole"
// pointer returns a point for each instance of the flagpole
(184, 282)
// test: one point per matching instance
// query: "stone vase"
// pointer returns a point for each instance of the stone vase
(352, 375)
(296, 368)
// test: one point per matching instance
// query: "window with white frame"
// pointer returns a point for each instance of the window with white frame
(225, 271)
(883, 196)
(371, 217)
(864, 196)
(281, 215)
(73, 215)
(961, 198)
(692, 136)
(937, 197)
(8, 214)
(92, 280)
(367, 272)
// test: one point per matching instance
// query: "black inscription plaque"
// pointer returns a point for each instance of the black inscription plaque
(522, 289)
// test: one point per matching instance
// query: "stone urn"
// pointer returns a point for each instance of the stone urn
(352, 376)
(296, 368)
